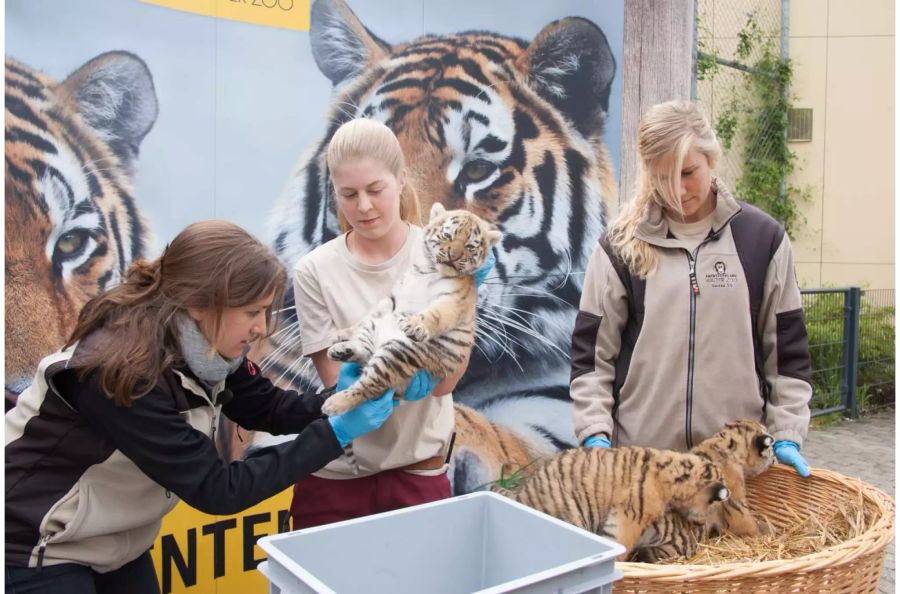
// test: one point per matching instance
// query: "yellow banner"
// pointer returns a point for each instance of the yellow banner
(196, 553)
(286, 14)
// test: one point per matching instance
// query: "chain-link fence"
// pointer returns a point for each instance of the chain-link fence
(876, 348)
(741, 80)
(851, 342)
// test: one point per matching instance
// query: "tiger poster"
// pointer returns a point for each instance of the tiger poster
(126, 120)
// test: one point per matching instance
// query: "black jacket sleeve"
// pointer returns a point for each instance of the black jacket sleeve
(165, 447)
(259, 405)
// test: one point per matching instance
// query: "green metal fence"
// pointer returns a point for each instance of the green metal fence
(851, 341)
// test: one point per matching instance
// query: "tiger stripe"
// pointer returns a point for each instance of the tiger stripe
(72, 224)
(741, 449)
(621, 492)
(428, 322)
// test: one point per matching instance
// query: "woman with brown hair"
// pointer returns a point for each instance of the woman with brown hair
(119, 424)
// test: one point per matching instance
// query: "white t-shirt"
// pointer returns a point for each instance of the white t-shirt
(334, 290)
(691, 234)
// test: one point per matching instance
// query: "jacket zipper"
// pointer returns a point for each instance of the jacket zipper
(695, 290)
(215, 421)
(42, 546)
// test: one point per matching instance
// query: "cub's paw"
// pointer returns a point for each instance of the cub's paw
(413, 328)
(338, 404)
(341, 351)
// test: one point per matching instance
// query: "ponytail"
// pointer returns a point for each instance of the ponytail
(145, 276)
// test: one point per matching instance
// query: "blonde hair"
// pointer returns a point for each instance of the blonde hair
(668, 131)
(364, 138)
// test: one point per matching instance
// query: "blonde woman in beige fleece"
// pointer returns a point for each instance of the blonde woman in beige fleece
(691, 314)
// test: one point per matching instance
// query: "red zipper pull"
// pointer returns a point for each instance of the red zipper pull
(695, 286)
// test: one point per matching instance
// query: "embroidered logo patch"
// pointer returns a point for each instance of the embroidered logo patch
(721, 278)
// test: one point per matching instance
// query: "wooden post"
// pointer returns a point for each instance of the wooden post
(659, 41)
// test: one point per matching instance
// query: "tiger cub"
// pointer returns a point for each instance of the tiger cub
(742, 449)
(620, 492)
(428, 322)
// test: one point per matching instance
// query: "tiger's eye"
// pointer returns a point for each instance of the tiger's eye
(70, 243)
(476, 171)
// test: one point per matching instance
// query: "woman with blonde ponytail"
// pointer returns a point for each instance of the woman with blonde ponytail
(120, 423)
(690, 316)
(335, 287)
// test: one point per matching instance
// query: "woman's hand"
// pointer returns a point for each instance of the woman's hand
(483, 272)
(788, 452)
(368, 416)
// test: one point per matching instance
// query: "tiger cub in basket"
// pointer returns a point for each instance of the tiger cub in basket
(620, 492)
(428, 322)
(741, 450)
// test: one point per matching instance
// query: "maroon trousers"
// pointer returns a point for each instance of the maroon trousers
(319, 501)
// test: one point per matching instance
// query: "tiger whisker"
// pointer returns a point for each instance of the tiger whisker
(101, 170)
(86, 166)
(351, 113)
(291, 343)
(504, 348)
(527, 330)
(301, 364)
(284, 345)
(288, 332)
(536, 293)
(482, 351)
(505, 336)
(499, 318)
(496, 280)
(286, 328)
(518, 313)
(498, 333)
(516, 320)
(307, 370)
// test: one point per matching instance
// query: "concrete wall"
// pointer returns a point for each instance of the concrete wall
(843, 53)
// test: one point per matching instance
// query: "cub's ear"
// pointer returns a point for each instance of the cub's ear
(763, 443)
(720, 493)
(494, 237)
(437, 209)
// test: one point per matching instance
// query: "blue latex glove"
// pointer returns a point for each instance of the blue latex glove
(596, 441)
(347, 375)
(485, 269)
(788, 452)
(420, 386)
(368, 416)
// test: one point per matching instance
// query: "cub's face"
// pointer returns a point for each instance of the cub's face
(459, 240)
(752, 444)
(698, 487)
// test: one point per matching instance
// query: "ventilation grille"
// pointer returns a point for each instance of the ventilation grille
(800, 124)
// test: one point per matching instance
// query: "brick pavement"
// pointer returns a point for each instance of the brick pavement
(862, 448)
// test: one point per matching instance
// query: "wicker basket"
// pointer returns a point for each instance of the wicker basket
(853, 566)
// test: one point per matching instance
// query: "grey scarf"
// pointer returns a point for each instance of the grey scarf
(196, 351)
